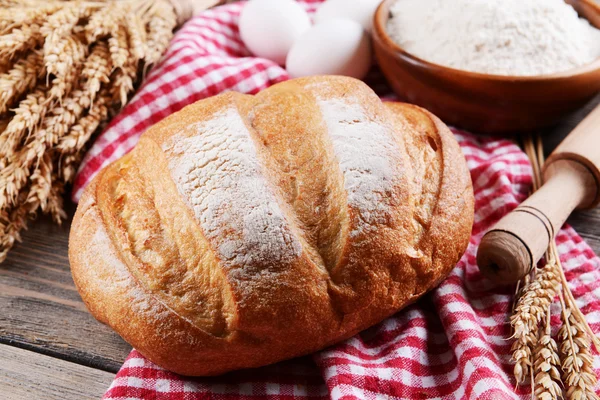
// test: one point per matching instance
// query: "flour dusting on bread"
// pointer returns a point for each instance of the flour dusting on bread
(215, 168)
(365, 150)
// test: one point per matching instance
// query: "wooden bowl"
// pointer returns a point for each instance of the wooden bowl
(482, 102)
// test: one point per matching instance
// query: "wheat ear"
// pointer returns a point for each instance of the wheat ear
(62, 49)
(45, 124)
(578, 375)
(22, 77)
(41, 182)
(96, 70)
(81, 132)
(27, 117)
(55, 201)
(575, 335)
(12, 222)
(535, 302)
(546, 366)
(119, 46)
(162, 22)
(137, 36)
(20, 39)
(63, 83)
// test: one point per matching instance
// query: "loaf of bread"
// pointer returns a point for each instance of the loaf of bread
(244, 230)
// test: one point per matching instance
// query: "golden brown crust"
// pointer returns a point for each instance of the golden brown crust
(244, 230)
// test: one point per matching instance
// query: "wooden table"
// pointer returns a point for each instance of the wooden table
(51, 348)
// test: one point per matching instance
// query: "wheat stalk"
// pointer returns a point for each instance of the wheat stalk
(578, 375)
(12, 222)
(65, 67)
(41, 182)
(21, 78)
(531, 307)
(68, 166)
(60, 47)
(20, 39)
(575, 336)
(101, 25)
(96, 70)
(571, 300)
(119, 46)
(547, 376)
(64, 82)
(522, 350)
(55, 201)
(27, 116)
(123, 82)
(137, 36)
(535, 301)
(80, 133)
(161, 23)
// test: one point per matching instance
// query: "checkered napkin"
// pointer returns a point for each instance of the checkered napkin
(451, 344)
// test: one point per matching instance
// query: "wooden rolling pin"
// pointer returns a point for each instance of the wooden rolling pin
(571, 180)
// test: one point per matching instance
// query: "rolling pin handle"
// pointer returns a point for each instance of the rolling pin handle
(502, 255)
(517, 242)
(572, 180)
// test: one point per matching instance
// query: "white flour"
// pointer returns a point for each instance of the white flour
(365, 150)
(503, 37)
(218, 171)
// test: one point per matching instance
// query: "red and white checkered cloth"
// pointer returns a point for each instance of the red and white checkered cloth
(451, 344)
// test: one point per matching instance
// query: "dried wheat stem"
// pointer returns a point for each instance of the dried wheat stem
(27, 117)
(535, 301)
(100, 24)
(41, 182)
(12, 222)
(12, 178)
(43, 138)
(20, 39)
(137, 36)
(60, 119)
(578, 375)
(569, 295)
(123, 82)
(81, 132)
(119, 46)
(522, 349)
(546, 365)
(55, 201)
(61, 49)
(531, 308)
(22, 77)
(163, 21)
(519, 290)
(68, 164)
(58, 41)
(27, 14)
(67, 68)
(96, 69)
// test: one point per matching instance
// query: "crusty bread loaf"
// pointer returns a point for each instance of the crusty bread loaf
(244, 230)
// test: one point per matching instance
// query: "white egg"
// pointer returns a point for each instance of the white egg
(361, 11)
(333, 47)
(270, 27)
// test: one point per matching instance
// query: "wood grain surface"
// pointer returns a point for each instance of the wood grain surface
(40, 308)
(28, 375)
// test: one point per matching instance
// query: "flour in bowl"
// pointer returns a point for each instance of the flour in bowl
(501, 37)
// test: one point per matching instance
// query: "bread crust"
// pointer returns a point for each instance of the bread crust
(148, 261)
